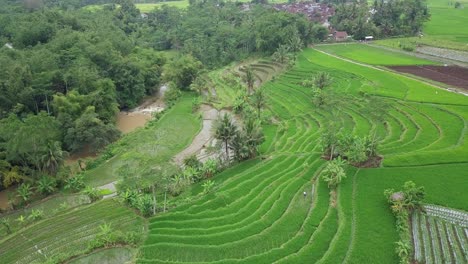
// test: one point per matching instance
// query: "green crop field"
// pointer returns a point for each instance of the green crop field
(257, 213)
(448, 22)
(67, 234)
(372, 55)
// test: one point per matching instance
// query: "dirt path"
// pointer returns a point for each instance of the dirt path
(387, 70)
(204, 140)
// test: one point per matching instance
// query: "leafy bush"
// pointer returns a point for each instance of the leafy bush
(36, 215)
(208, 186)
(172, 95)
(407, 46)
(46, 185)
(93, 193)
(6, 223)
(209, 168)
(145, 204)
(196, 104)
(192, 161)
(334, 172)
(75, 183)
(25, 192)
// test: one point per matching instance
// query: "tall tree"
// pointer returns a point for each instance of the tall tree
(225, 130)
(54, 158)
(249, 78)
(254, 136)
(258, 100)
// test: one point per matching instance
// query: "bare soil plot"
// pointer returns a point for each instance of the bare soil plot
(451, 75)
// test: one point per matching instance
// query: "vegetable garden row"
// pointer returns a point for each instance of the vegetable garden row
(437, 238)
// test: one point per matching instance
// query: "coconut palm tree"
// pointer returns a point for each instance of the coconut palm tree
(281, 54)
(225, 131)
(249, 79)
(258, 101)
(53, 158)
(253, 135)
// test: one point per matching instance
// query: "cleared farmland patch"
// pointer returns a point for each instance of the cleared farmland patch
(450, 75)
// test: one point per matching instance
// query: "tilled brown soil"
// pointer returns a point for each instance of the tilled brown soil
(451, 75)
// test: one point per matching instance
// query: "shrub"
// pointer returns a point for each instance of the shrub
(208, 186)
(172, 95)
(333, 172)
(24, 191)
(145, 204)
(46, 185)
(36, 215)
(93, 193)
(192, 161)
(178, 184)
(356, 151)
(210, 167)
(129, 197)
(6, 223)
(21, 220)
(75, 184)
(407, 46)
(196, 104)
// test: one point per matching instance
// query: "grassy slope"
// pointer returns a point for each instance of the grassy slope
(155, 144)
(257, 214)
(372, 55)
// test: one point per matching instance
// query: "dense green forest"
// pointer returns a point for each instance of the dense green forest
(382, 18)
(65, 71)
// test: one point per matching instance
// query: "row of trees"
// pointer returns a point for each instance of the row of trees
(243, 142)
(217, 33)
(383, 18)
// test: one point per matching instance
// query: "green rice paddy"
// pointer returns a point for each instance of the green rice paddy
(258, 213)
(372, 55)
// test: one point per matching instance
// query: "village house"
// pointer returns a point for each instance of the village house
(340, 36)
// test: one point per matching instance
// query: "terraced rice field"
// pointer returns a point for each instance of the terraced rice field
(441, 235)
(67, 233)
(224, 83)
(258, 214)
